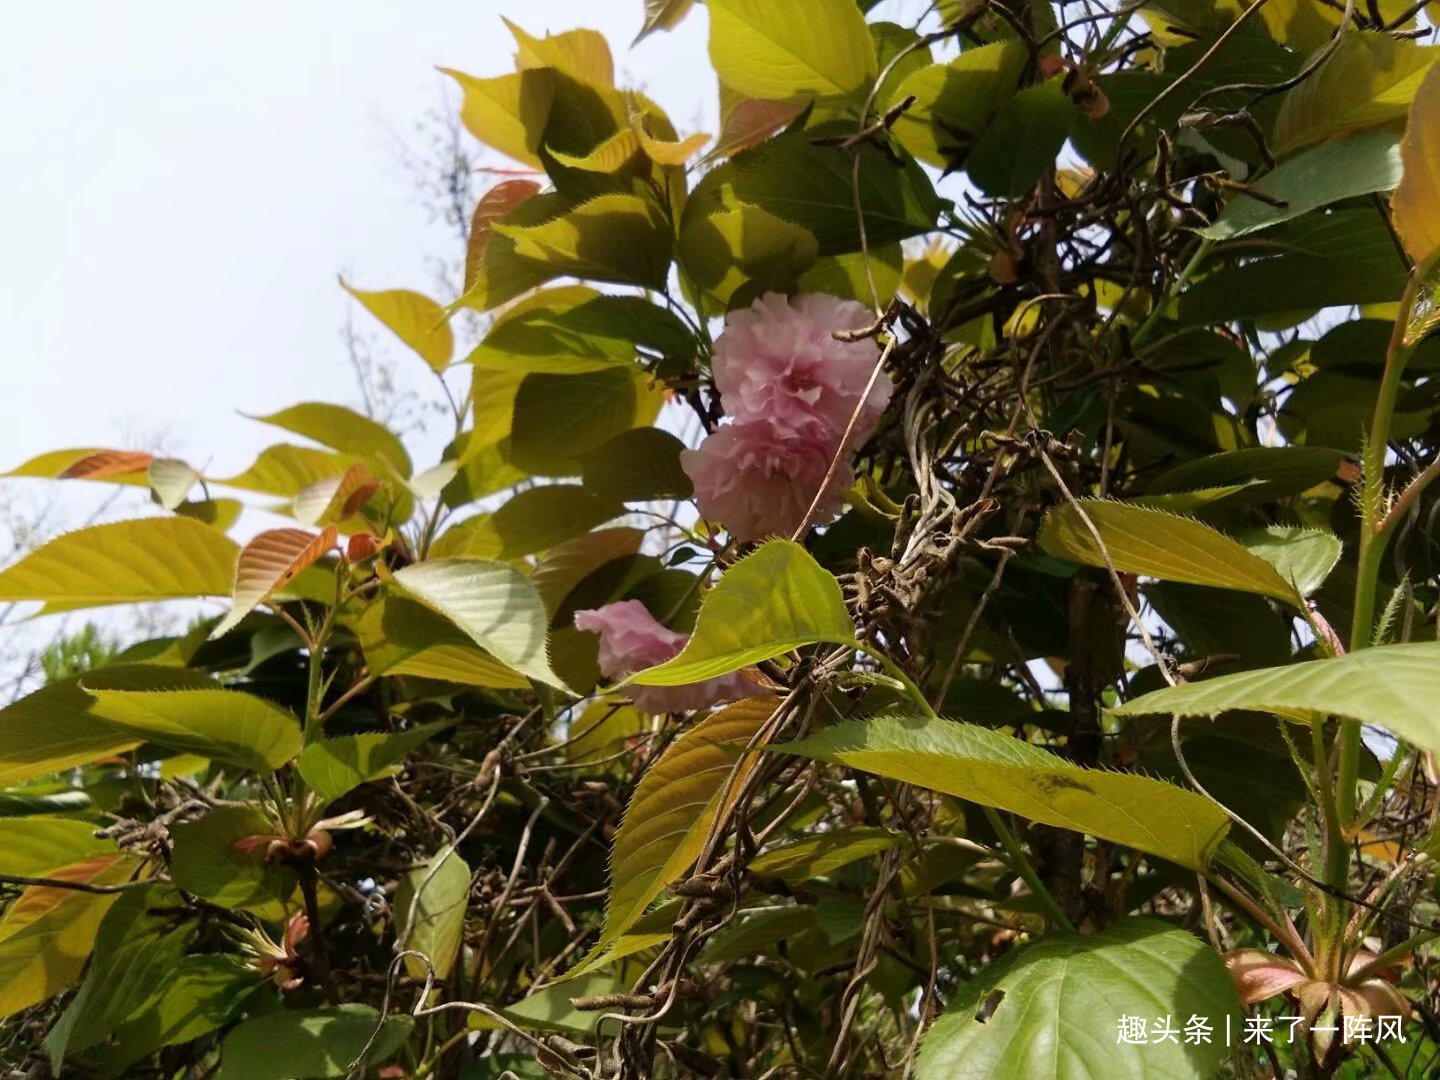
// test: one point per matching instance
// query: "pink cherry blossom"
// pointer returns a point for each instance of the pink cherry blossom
(779, 360)
(758, 479)
(631, 639)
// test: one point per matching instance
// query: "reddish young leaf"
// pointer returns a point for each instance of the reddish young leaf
(493, 205)
(106, 463)
(270, 562)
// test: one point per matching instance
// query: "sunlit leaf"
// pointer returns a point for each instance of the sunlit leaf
(533, 520)
(286, 470)
(315, 1042)
(773, 600)
(820, 856)
(955, 101)
(335, 498)
(492, 207)
(207, 862)
(663, 15)
(565, 565)
(171, 480)
(268, 563)
(416, 320)
(223, 725)
(802, 48)
(619, 238)
(1303, 557)
(82, 464)
(745, 246)
(336, 765)
(1008, 773)
(402, 637)
(36, 846)
(430, 912)
(1415, 207)
(582, 54)
(344, 430)
(508, 112)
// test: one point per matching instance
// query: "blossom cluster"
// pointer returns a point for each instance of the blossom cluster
(789, 389)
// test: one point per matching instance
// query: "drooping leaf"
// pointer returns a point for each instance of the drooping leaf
(1395, 686)
(1051, 1008)
(316, 1043)
(998, 770)
(532, 520)
(565, 565)
(402, 637)
(430, 911)
(267, 564)
(285, 470)
(223, 725)
(52, 729)
(344, 430)
(800, 49)
(207, 863)
(35, 846)
(1303, 557)
(416, 320)
(334, 766)
(492, 602)
(819, 856)
(170, 480)
(47, 933)
(1339, 169)
(773, 600)
(1139, 540)
(508, 112)
(161, 558)
(677, 802)
(134, 952)
(619, 238)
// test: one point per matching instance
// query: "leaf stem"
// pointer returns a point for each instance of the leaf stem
(1020, 863)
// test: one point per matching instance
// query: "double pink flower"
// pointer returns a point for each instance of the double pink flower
(789, 388)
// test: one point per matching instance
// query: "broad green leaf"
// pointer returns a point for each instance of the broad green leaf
(549, 1008)
(171, 480)
(493, 603)
(636, 465)
(812, 186)
(35, 846)
(52, 729)
(207, 863)
(492, 207)
(219, 514)
(752, 934)
(532, 520)
(745, 245)
(663, 15)
(160, 558)
(899, 50)
(820, 856)
(223, 725)
(21, 805)
(845, 275)
(590, 408)
(1303, 557)
(416, 320)
(582, 54)
(1022, 140)
(802, 48)
(201, 993)
(1370, 79)
(1214, 621)
(334, 766)
(285, 470)
(998, 770)
(47, 933)
(498, 274)
(773, 600)
(1268, 472)
(1395, 686)
(508, 112)
(955, 101)
(565, 565)
(430, 910)
(1415, 207)
(402, 637)
(308, 1043)
(344, 430)
(619, 238)
(134, 952)
(677, 802)
(1155, 544)
(1050, 1009)
(1343, 168)
(267, 564)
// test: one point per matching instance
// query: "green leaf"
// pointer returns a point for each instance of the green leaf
(745, 246)
(416, 320)
(160, 558)
(1395, 686)
(998, 770)
(812, 187)
(222, 725)
(1370, 79)
(844, 275)
(582, 54)
(1415, 207)
(532, 520)
(134, 952)
(334, 766)
(820, 856)
(1049, 1010)
(207, 863)
(663, 15)
(566, 565)
(201, 993)
(306, 1043)
(802, 48)
(1153, 543)
(344, 430)
(773, 600)
(286, 470)
(558, 327)
(52, 729)
(1022, 141)
(1303, 557)
(619, 238)
(550, 1008)
(47, 933)
(590, 408)
(676, 803)
(35, 846)
(638, 465)
(1325, 174)
(508, 112)
(402, 637)
(430, 910)
(1269, 472)
(493, 603)
(499, 274)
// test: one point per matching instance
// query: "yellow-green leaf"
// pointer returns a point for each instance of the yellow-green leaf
(36, 846)
(335, 498)
(745, 244)
(268, 563)
(416, 320)
(998, 770)
(955, 101)
(430, 910)
(285, 470)
(223, 725)
(619, 238)
(171, 480)
(775, 599)
(334, 766)
(508, 112)
(161, 558)
(801, 48)
(663, 15)
(344, 430)
(402, 637)
(72, 464)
